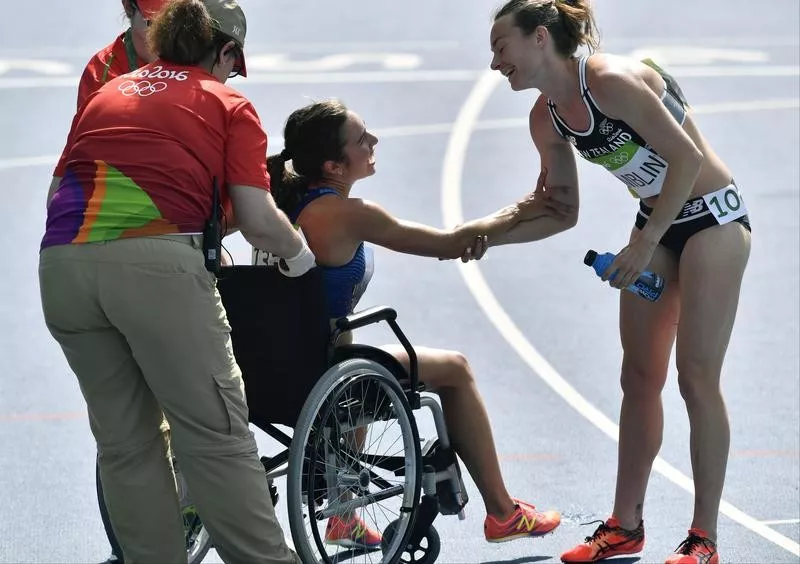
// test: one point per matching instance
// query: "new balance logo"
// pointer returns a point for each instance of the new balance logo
(692, 207)
(528, 524)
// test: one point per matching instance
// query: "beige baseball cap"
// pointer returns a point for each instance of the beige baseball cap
(229, 19)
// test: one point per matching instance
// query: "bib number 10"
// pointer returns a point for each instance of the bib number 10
(726, 204)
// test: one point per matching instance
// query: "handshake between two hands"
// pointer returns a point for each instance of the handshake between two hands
(542, 202)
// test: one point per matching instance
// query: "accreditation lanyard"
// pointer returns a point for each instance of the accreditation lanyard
(130, 50)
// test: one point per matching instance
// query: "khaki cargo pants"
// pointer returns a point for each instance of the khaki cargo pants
(144, 330)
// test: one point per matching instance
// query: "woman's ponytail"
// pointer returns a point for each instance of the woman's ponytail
(287, 187)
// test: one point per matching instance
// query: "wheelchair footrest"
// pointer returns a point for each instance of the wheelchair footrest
(426, 514)
(442, 469)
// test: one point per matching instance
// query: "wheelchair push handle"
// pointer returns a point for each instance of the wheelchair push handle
(377, 314)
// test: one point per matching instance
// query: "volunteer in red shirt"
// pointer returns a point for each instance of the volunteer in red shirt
(126, 294)
(125, 54)
(128, 52)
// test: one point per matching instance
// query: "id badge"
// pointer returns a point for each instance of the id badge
(726, 204)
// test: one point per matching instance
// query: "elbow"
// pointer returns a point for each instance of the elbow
(566, 225)
(692, 160)
(697, 159)
(258, 226)
(690, 166)
(568, 222)
(254, 240)
(571, 220)
(253, 231)
(260, 236)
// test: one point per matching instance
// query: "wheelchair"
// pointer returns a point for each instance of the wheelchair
(355, 447)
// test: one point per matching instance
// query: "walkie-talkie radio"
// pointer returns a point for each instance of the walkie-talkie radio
(212, 234)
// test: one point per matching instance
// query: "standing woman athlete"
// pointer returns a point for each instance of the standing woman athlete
(126, 293)
(691, 227)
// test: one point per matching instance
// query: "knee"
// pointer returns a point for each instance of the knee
(642, 381)
(124, 452)
(697, 381)
(458, 370)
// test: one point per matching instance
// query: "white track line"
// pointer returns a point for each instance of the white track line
(53, 52)
(424, 75)
(446, 127)
(452, 215)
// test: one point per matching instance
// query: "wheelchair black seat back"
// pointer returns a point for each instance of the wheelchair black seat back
(281, 337)
(293, 375)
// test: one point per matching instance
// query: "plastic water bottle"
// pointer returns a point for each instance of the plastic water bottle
(649, 285)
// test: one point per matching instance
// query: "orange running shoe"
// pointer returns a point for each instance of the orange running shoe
(608, 540)
(697, 548)
(524, 522)
(351, 533)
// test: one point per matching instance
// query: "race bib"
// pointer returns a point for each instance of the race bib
(726, 204)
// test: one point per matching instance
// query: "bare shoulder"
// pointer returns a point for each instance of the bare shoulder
(614, 79)
(539, 112)
(605, 71)
(326, 210)
(327, 222)
(360, 205)
(357, 210)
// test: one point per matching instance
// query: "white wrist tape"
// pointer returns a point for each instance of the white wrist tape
(299, 264)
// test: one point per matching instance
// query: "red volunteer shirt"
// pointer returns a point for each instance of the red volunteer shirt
(144, 150)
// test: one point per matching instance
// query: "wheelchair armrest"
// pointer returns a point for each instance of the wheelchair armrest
(389, 315)
(366, 317)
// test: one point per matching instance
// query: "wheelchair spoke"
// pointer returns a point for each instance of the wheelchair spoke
(380, 438)
(360, 470)
(350, 505)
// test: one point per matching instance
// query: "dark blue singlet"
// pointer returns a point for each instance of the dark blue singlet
(345, 284)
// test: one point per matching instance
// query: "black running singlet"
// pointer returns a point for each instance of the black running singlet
(614, 144)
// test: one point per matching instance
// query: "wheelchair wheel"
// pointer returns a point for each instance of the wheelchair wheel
(355, 454)
(426, 550)
(198, 543)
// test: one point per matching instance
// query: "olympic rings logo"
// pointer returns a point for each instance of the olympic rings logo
(606, 127)
(619, 159)
(143, 88)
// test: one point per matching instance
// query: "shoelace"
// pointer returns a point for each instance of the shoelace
(598, 532)
(604, 528)
(691, 543)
